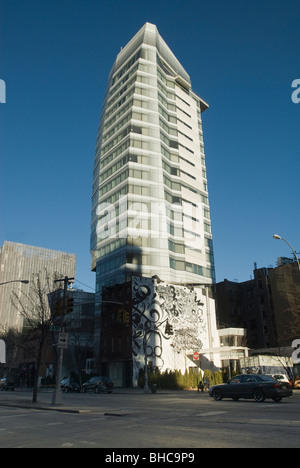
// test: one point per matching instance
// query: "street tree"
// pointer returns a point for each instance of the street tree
(36, 308)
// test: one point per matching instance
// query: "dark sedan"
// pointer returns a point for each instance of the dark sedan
(254, 386)
(98, 385)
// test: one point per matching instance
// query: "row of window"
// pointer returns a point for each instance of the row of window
(107, 213)
(132, 258)
(145, 242)
(109, 122)
(115, 87)
(169, 142)
(116, 140)
(114, 154)
(109, 112)
(167, 94)
(126, 67)
(115, 182)
(167, 82)
(122, 91)
(118, 165)
(117, 127)
(192, 268)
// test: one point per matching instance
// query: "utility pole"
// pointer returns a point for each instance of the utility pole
(57, 394)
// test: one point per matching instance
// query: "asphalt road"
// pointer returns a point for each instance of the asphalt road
(169, 420)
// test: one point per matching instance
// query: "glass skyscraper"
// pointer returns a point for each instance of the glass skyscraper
(150, 206)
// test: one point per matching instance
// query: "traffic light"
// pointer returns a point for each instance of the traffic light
(57, 307)
(126, 316)
(169, 329)
(123, 316)
(120, 316)
(69, 305)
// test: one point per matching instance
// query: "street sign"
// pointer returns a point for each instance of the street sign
(196, 356)
(54, 328)
(63, 340)
(2, 352)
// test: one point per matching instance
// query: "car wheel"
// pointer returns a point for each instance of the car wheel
(217, 395)
(84, 389)
(97, 390)
(259, 396)
(235, 398)
(277, 399)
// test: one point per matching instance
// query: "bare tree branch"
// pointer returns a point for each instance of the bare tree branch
(36, 307)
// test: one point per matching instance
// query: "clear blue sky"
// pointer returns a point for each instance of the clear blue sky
(242, 57)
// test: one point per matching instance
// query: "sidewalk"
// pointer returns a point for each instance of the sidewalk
(23, 399)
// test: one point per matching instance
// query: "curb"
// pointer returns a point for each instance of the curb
(46, 408)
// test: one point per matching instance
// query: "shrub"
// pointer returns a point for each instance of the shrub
(175, 380)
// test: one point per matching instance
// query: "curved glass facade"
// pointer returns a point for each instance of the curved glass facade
(150, 206)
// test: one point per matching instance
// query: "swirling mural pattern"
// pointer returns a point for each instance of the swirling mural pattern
(154, 303)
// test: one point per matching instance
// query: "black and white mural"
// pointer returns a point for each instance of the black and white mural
(157, 306)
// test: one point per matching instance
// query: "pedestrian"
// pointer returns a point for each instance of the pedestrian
(201, 386)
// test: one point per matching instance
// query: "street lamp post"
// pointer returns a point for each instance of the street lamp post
(276, 236)
(15, 281)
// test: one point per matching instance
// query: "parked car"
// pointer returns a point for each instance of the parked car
(252, 386)
(98, 385)
(6, 384)
(281, 378)
(69, 385)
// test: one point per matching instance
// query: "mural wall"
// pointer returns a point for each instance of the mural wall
(157, 304)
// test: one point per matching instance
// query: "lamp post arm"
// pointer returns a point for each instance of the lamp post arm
(294, 252)
(15, 281)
